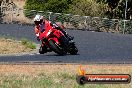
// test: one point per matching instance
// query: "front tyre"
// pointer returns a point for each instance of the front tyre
(56, 48)
(42, 50)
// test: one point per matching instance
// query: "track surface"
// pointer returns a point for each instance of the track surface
(94, 47)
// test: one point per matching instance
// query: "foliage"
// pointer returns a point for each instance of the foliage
(84, 7)
(57, 6)
(109, 8)
(28, 43)
(88, 7)
(117, 9)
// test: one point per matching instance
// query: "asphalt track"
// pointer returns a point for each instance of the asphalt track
(94, 47)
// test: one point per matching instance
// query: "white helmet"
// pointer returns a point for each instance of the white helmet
(37, 18)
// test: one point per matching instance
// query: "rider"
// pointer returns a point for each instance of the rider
(41, 23)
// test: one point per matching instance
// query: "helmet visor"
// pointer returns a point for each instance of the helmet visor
(37, 22)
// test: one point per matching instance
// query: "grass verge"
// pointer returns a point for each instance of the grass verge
(10, 46)
(28, 43)
(56, 76)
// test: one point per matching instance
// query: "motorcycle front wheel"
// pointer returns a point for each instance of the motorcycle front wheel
(42, 50)
(56, 48)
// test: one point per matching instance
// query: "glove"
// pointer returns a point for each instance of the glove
(38, 39)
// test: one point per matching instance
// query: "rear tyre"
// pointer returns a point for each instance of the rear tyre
(73, 50)
(56, 48)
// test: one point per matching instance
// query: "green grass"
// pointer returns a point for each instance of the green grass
(28, 43)
(55, 80)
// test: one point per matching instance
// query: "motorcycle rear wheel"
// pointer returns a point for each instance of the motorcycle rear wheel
(73, 50)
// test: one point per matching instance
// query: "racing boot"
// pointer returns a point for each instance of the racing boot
(65, 33)
(67, 36)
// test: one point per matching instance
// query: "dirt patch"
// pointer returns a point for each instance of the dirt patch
(9, 46)
(19, 3)
(17, 15)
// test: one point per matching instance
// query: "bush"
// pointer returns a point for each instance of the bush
(79, 7)
(57, 6)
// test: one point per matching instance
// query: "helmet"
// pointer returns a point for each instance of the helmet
(38, 19)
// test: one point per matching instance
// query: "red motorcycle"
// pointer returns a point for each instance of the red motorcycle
(54, 40)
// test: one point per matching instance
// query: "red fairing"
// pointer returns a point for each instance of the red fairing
(51, 33)
(54, 39)
(57, 33)
(44, 34)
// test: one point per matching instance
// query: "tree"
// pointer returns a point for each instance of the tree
(113, 3)
(117, 8)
